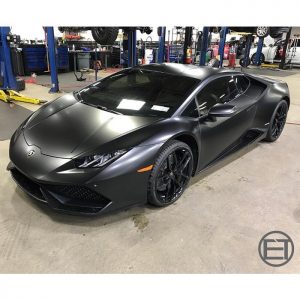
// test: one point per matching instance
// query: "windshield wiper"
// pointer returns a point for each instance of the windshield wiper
(102, 107)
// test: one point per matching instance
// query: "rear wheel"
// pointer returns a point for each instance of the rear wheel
(171, 174)
(262, 58)
(277, 121)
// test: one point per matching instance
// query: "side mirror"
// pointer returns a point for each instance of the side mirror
(221, 110)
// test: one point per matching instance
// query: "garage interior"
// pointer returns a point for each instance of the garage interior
(217, 224)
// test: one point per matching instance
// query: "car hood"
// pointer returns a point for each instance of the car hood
(67, 128)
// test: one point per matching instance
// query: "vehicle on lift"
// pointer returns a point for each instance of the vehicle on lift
(273, 53)
(139, 135)
(262, 31)
(104, 35)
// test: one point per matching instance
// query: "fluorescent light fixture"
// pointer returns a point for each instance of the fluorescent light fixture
(131, 104)
(160, 108)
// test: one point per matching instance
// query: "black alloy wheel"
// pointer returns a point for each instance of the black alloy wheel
(171, 174)
(277, 121)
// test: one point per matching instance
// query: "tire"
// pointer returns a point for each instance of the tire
(277, 121)
(244, 62)
(262, 58)
(105, 35)
(171, 174)
(262, 31)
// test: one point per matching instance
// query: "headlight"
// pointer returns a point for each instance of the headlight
(97, 161)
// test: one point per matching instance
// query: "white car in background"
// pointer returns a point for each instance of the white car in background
(273, 53)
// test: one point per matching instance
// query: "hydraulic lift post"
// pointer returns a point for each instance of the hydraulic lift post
(247, 50)
(51, 48)
(161, 45)
(132, 48)
(7, 75)
(223, 34)
(260, 44)
(204, 46)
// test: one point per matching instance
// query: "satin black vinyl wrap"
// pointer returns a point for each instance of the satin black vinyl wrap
(57, 182)
(65, 130)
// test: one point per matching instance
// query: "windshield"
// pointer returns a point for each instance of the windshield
(139, 92)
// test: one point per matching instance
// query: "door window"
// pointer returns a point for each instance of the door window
(242, 83)
(220, 90)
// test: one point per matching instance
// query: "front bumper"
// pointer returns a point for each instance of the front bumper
(75, 199)
(56, 182)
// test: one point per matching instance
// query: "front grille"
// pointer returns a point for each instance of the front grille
(78, 195)
(28, 185)
(66, 197)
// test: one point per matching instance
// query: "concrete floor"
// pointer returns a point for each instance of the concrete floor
(214, 228)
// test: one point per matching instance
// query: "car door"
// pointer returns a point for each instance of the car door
(219, 133)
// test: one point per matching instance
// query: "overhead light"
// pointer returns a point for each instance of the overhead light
(160, 108)
(131, 104)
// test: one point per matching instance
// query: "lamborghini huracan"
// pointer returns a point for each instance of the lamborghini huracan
(140, 134)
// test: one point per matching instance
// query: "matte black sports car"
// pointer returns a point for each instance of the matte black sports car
(139, 135)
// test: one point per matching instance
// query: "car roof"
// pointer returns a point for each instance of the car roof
(187, 70)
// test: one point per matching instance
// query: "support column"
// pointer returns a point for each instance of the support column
(161, 45)
(9, 79)
(132, 48)
(223, 34)
(52, 59)
(247, 50)
(204, 46)
(260, 44)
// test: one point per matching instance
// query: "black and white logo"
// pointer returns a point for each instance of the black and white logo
(276, 248)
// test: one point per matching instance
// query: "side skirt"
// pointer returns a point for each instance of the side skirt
(252, 136)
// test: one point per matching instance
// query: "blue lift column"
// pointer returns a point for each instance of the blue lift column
(161, 45)
(259, 51)
(9, 80)
(223, 33)
(247, 50)
(204, 46)
(132, 48)
(52, 59)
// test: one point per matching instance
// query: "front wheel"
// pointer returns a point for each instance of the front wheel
(277, 121)
(171, 174)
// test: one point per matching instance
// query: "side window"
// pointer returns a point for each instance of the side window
(242, 83)
(220, 90)
(191, 110)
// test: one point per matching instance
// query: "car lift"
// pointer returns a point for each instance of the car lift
(8, 82)
(223, 34)
(161, 44)
(257, 60)
(132, 61)
(204, 46)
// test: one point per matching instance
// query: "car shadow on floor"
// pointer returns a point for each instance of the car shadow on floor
(135, 212)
